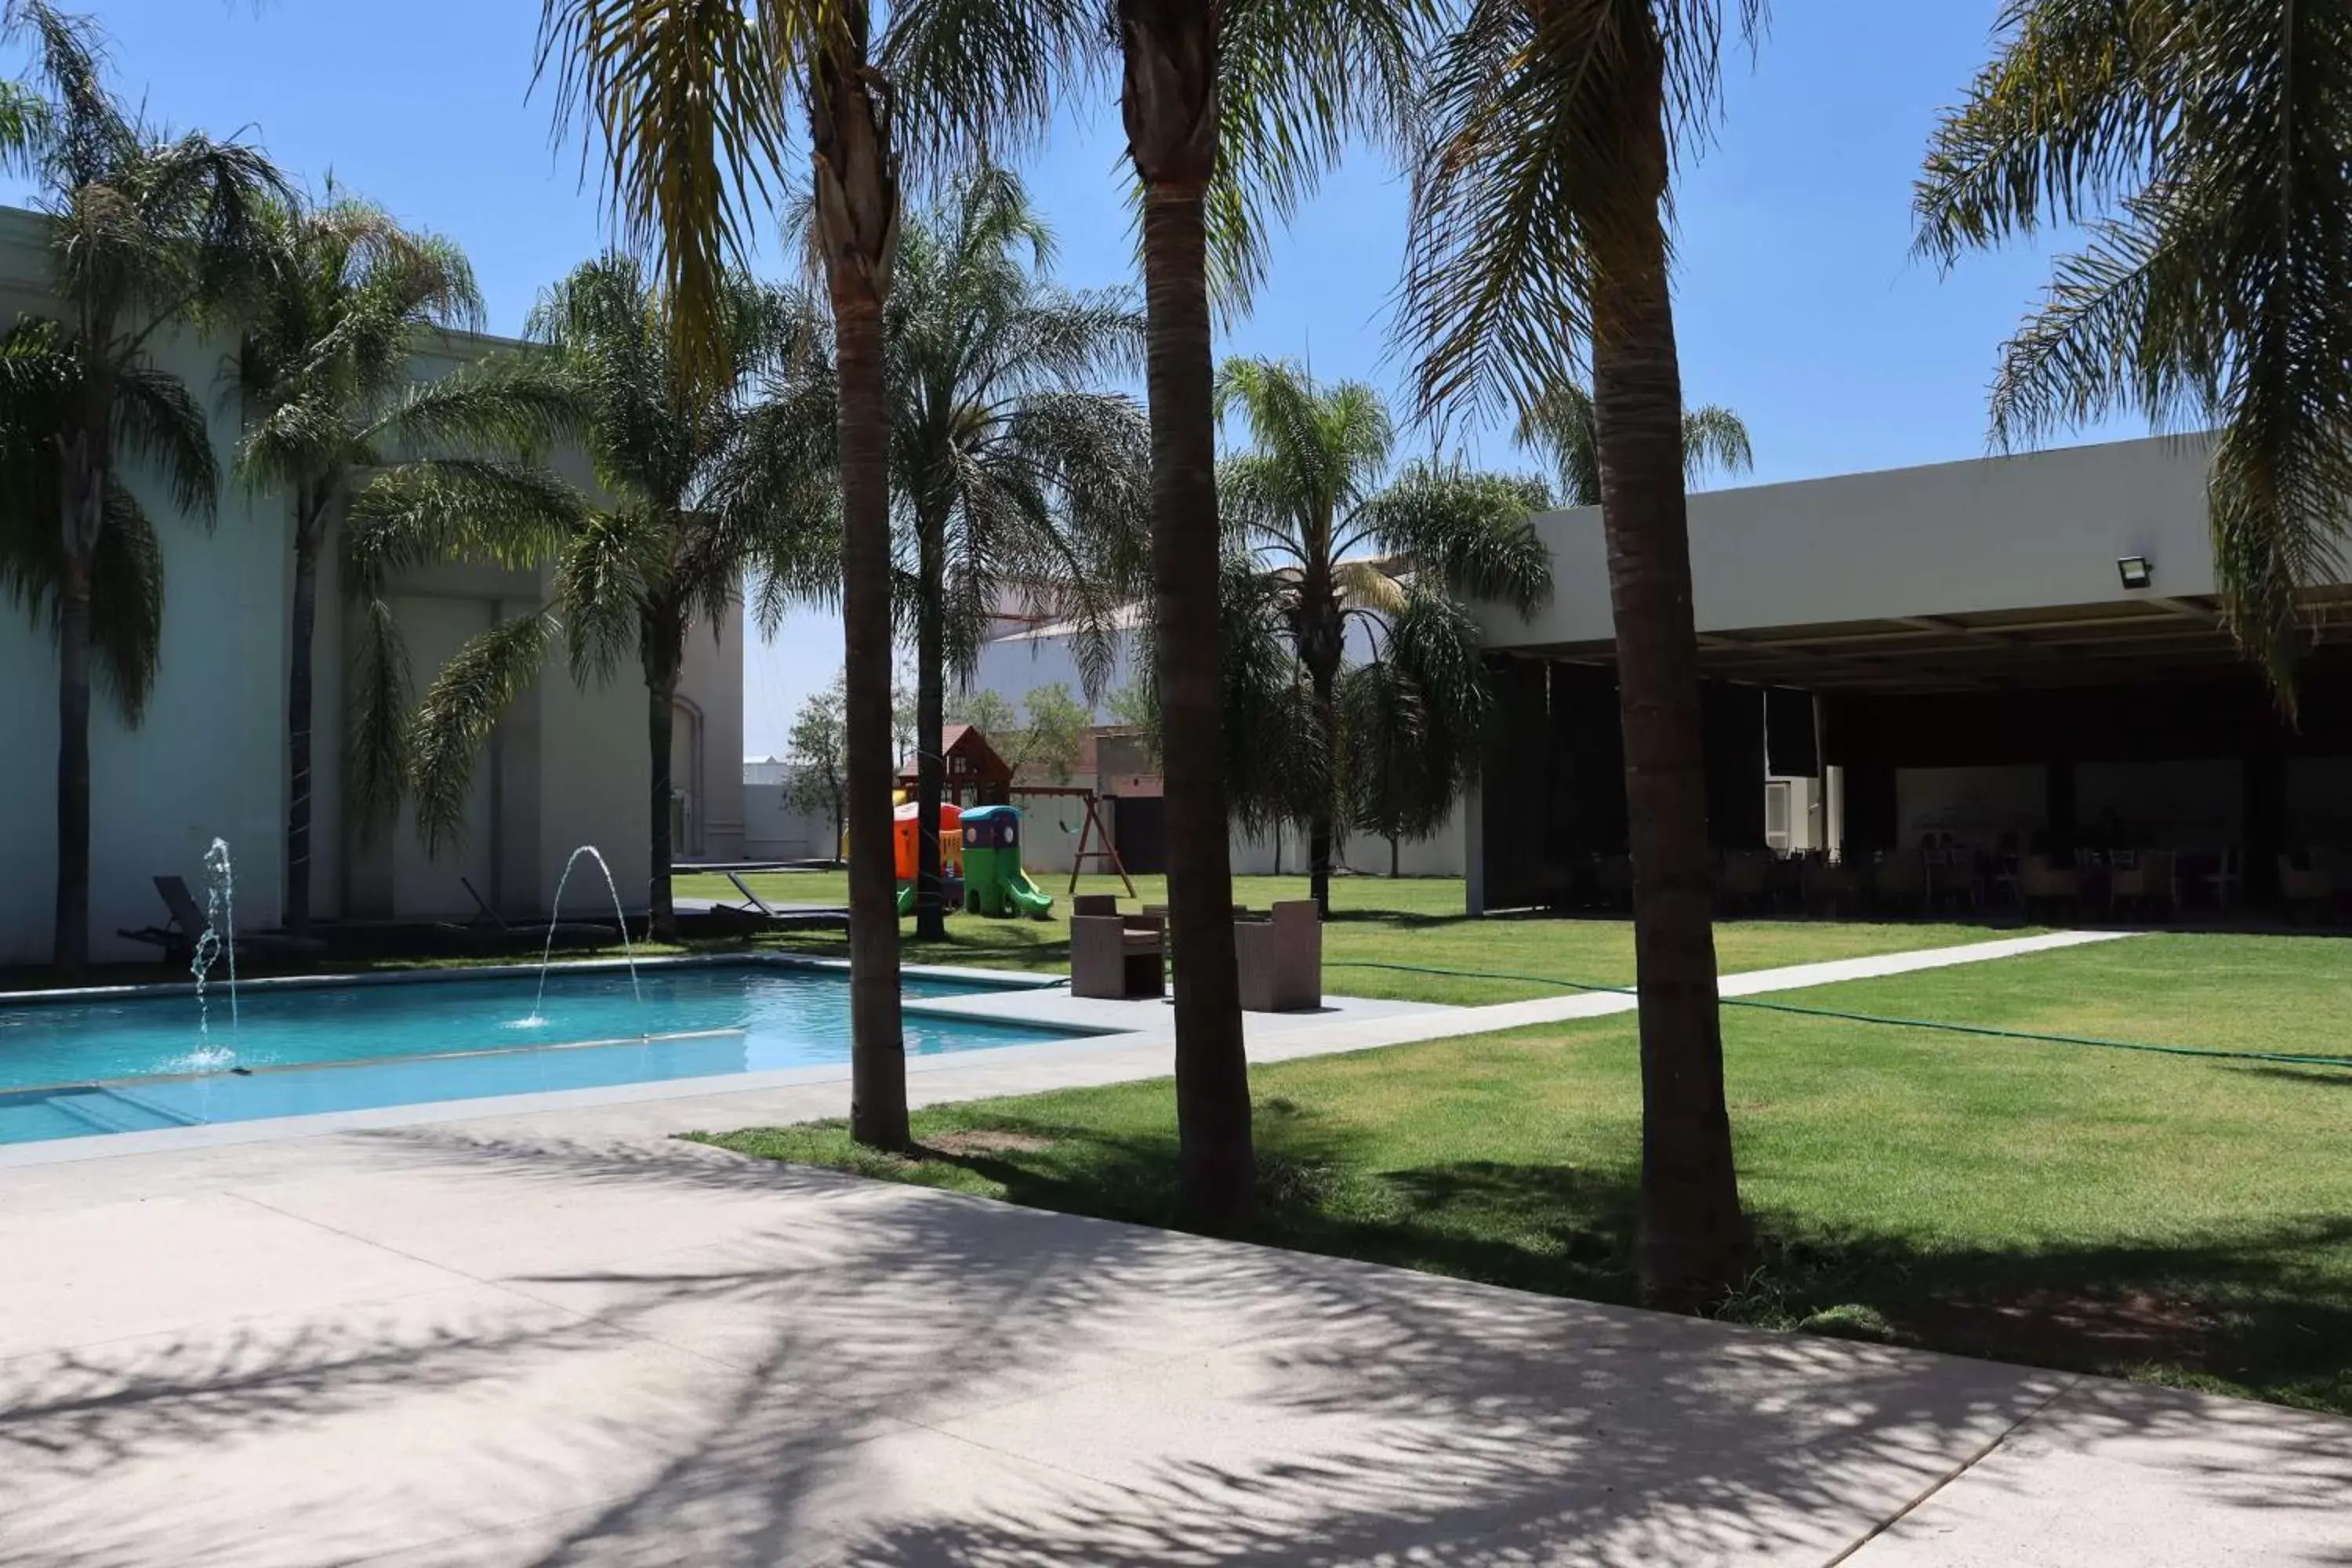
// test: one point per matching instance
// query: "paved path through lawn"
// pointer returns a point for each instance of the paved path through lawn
(509, 1343)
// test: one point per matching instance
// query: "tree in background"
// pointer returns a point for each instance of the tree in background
(147, 231)
(1538, 249)
(1017, 481)
(818, 751)
(2206, 145)
(692, 105)
(1394, 740)
(1131, 704)
(1049, 741)
(1560, 426)
(333, 416)
(706, 490)
(1233, 109)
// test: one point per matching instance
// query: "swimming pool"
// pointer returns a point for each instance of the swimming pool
(87, 1068)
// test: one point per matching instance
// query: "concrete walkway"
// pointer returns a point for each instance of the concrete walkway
(503, 1344)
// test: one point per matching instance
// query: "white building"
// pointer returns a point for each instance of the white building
(567, 767)
(1996, 654)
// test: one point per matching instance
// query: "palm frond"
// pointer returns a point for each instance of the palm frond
(689, 101)
(509, 404)
(455, 509)
(1473, 533)
(2062, 122)
(2204, 138)
(1413, 720)
(613, 563)
(1715, 438)
(1298, 81)
(1520, 190)
(979, 78)
(376, 744)
(157, 419)
(126, 605)
(461, 709)
(1558, 424)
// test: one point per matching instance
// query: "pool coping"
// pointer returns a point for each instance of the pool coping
(992, 979)
(327, 1123)
(209, 1134)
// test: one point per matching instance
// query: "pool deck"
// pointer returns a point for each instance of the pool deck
(515, 1333)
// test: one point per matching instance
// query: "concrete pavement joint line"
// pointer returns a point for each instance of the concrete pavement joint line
(362, 1240)
(1956, 1472)
(504, 1286)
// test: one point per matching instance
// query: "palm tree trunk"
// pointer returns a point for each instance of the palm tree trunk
(71, 952)
(299, 677)
(84, 518)
(1170, 104)
(930, 718)
(856, 224)
(1694, 1243)
(1322, 673)
(664, 653)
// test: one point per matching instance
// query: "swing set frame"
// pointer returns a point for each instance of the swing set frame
(1093, 832)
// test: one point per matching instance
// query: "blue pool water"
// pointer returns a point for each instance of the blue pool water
(72, 1070)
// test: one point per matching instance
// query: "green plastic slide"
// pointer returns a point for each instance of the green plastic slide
(905, 898)
(1026, 899)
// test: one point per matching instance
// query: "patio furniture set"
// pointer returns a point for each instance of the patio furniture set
(1126, 957)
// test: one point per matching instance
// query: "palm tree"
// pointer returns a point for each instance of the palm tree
(704, 490)
(333, 416)
(1232, 108)
(1540, 242)
(1560, 426)
(148, 232)
(1017, 480)
(692, 105)
(1339, 552)
(2205, 144)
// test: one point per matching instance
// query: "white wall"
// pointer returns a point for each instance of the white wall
(205, 761)
(2045, 529)
(773, 830)
(1014, 667)
(568, 766)
(713, 681)
(1443, 854)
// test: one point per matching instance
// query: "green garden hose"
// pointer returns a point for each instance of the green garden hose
(1985, 1029)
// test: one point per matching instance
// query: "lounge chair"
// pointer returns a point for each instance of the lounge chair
(179, 934)
(490, 932)
(756, 914)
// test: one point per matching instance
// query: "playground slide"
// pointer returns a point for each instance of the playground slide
(1024, 896)
(905, 898)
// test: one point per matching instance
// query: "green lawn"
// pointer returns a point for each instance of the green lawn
(1409, 920)
(2184, 1220)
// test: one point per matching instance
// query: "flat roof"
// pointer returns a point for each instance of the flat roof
(1992, 572)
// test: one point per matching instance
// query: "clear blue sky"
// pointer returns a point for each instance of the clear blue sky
(1798, 302)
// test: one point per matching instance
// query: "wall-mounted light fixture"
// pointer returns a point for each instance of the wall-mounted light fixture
(2137, 571)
